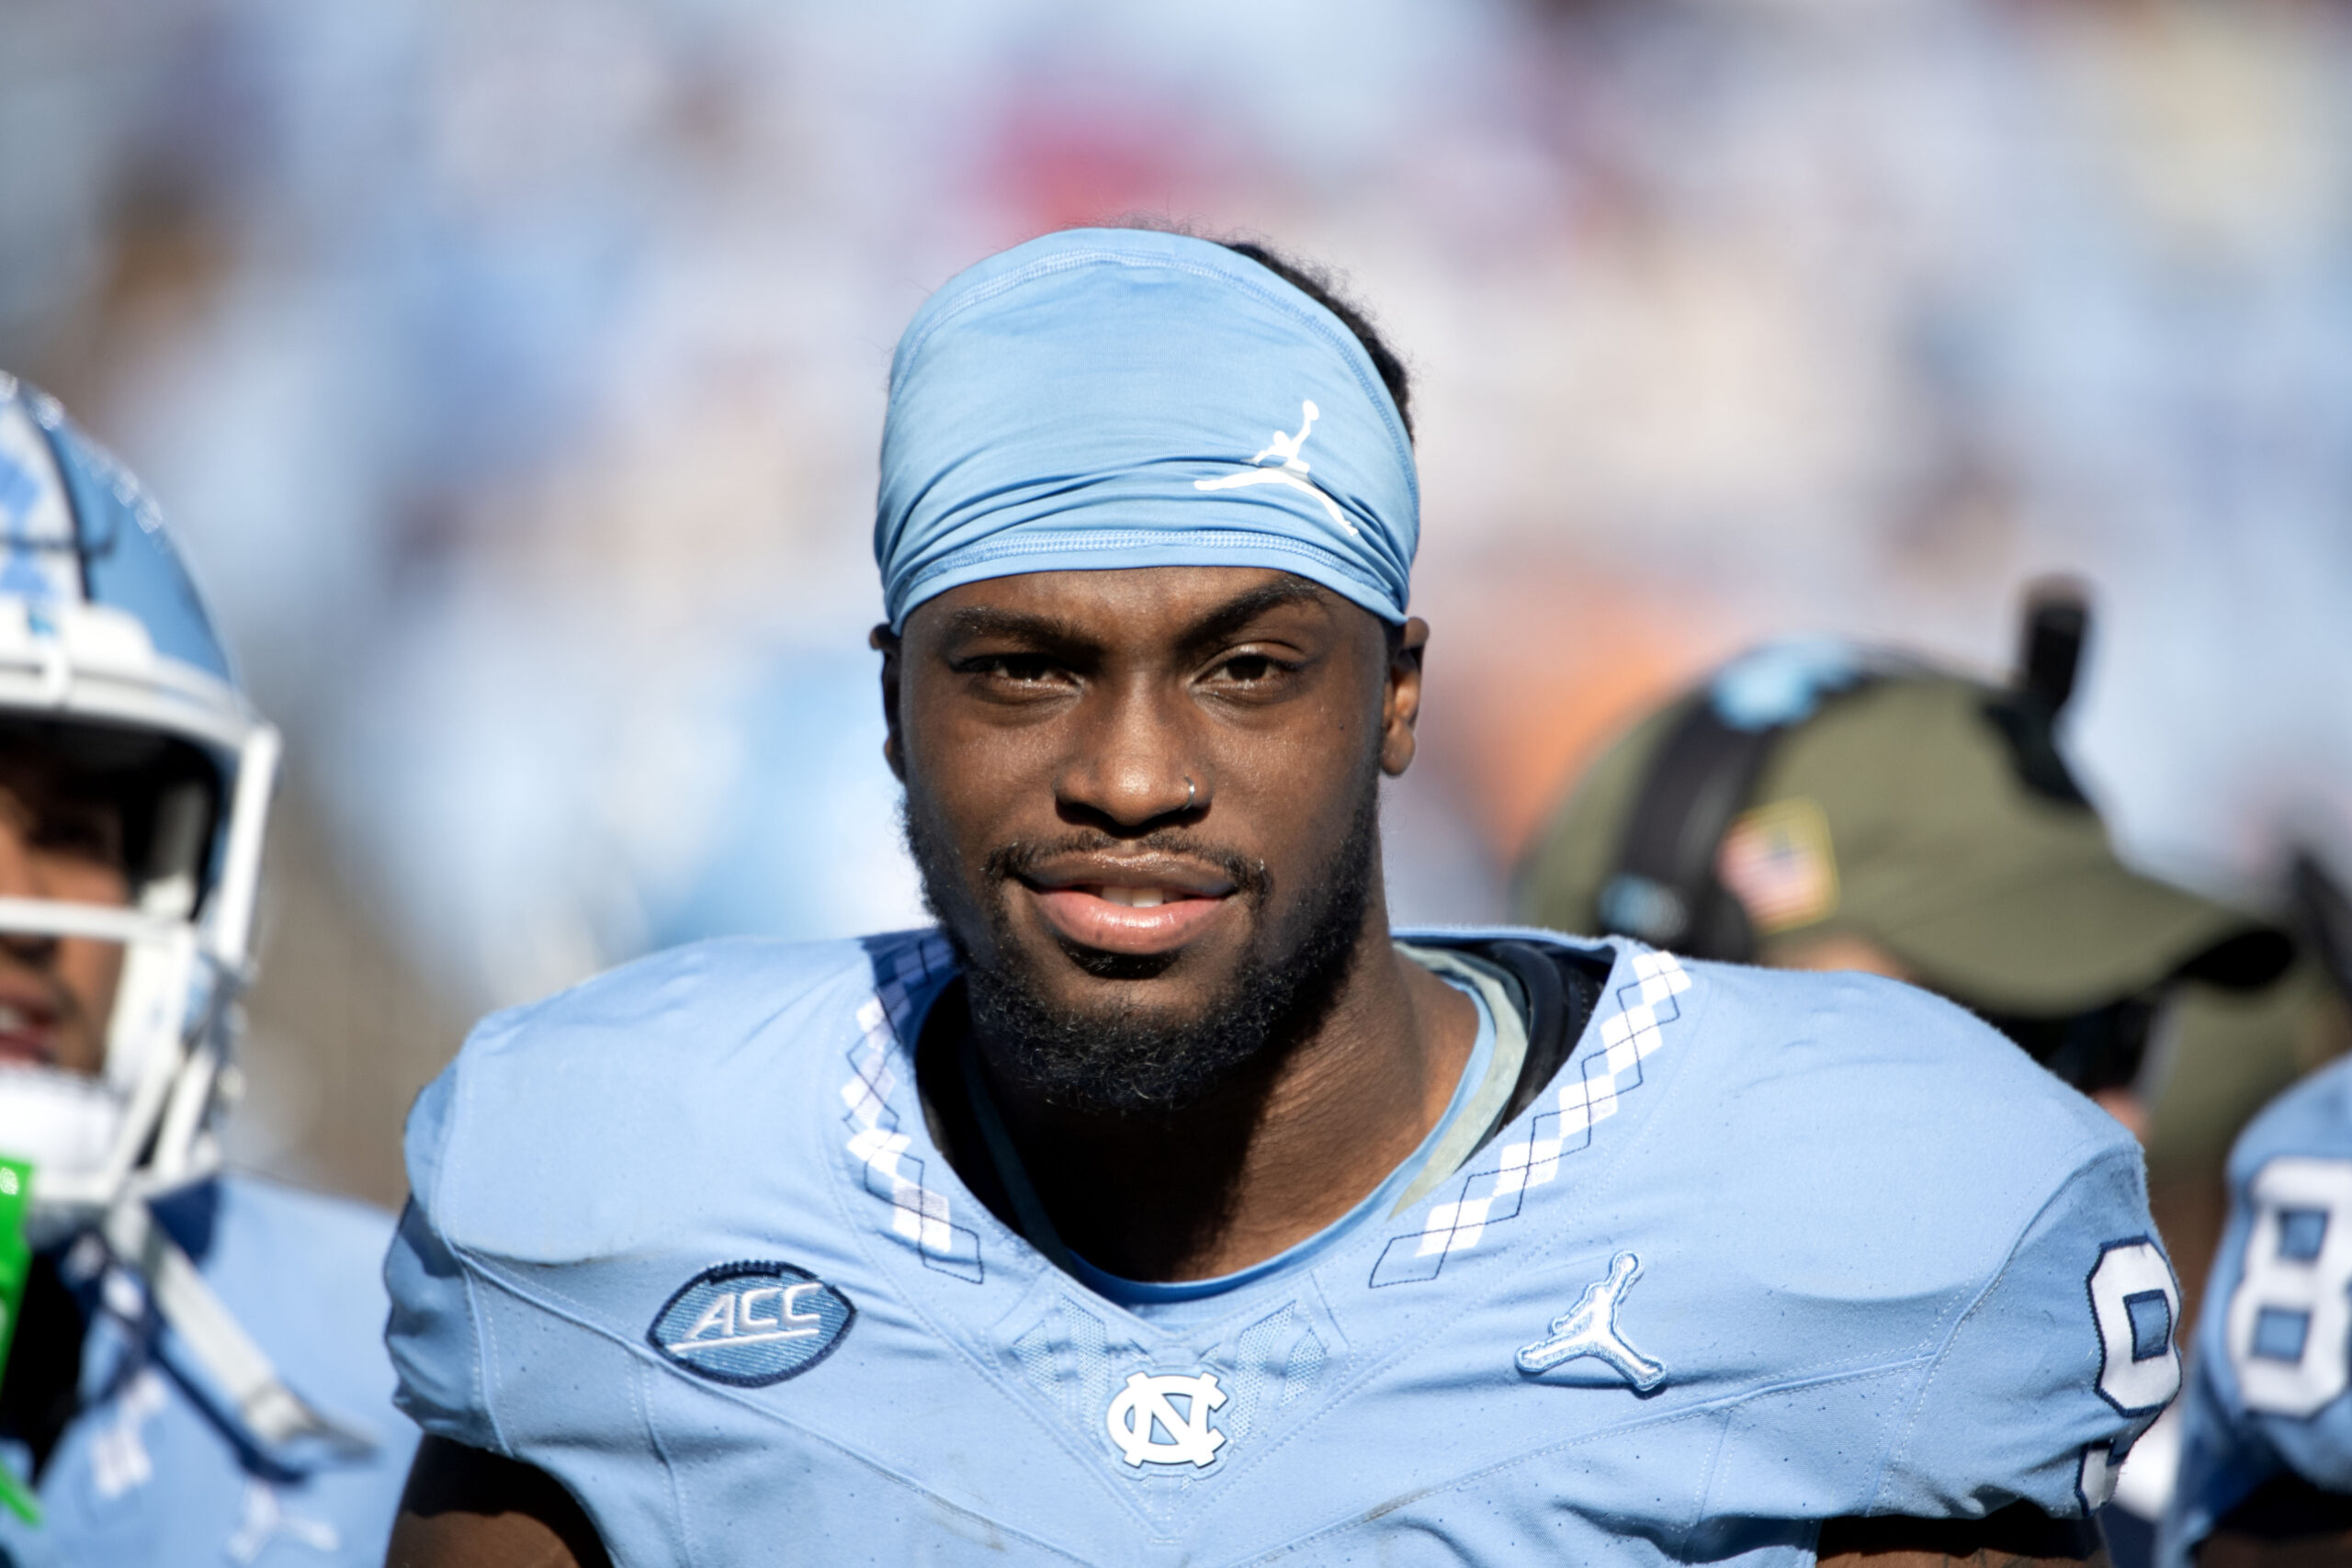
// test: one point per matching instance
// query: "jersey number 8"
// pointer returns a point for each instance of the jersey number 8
(2290, 1320)
(2136, 1304)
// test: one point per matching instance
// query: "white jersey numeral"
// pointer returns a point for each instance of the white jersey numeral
(2290, 1320)
(2136, 1302)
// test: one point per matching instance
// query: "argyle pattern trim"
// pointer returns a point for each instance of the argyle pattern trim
(1589, 1094)
(921, 1216)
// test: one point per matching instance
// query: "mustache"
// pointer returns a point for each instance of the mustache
(1021, 858)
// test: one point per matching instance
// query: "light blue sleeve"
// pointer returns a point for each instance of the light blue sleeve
(2271, 1391)
(2060, 1364)
(435, 1334)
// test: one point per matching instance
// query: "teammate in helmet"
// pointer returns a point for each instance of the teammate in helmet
(1161, 1205)
(191, 1374)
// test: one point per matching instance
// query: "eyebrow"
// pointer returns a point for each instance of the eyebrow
(1018, 626)
(1051, 632)
(1243, 608)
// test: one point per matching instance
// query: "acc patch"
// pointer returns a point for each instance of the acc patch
(752, 1324)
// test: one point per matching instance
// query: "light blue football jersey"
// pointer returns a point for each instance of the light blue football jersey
(1771, 1248)
(146, 1473)
(2273, 1357)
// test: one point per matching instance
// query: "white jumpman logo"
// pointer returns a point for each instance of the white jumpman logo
(1589, 1328)
(1286, 447)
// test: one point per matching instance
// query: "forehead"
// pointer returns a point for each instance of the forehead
(1133, 604)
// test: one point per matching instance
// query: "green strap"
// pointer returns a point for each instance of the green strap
(16, 1267)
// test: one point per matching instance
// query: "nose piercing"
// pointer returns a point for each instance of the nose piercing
(1192, 791)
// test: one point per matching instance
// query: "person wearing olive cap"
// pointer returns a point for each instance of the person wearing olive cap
(1822, 805)
(1163, 1206)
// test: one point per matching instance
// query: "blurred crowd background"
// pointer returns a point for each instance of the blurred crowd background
(514, 369)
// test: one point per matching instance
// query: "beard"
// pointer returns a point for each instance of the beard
(1120, 1057)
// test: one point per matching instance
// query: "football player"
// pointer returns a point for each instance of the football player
(2265, 1463)
(191, 1372)
(2266, 1428)
(1161, 1204)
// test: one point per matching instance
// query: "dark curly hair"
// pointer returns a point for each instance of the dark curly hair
(1317, 284)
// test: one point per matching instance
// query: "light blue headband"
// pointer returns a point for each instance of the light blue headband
(1105, 397)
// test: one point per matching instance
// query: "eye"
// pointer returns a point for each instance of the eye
(1011, 669)
(1247, 668)
(79, 835)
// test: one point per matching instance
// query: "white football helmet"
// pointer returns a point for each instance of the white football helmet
(109, 663)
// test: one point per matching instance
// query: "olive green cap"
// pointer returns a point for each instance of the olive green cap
(1898, 812)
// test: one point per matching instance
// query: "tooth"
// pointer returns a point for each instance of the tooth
(1148, 898)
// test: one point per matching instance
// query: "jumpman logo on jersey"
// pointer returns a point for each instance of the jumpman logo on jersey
(1147, 1406)
(1291, 469)
(1589, 1328)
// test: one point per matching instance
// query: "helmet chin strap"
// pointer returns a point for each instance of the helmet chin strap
(236, 1368)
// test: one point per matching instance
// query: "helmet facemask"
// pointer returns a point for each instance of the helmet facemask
(137, 1120)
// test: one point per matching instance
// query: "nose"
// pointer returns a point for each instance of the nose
(1133, 768)
(19, 876)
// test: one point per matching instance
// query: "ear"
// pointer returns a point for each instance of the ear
(885, 641)
(1401, 704)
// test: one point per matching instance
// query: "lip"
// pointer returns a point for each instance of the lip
(1109, 906)
(28, 1036)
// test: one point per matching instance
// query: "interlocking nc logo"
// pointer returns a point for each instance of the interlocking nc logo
(1146, 1407)
(1292, 469)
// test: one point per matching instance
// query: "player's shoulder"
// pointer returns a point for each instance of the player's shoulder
(705, 985)
(1922, 1129)
(2312, 1118)
(1883, 1060)
(685, 1010)
(1872, 1053)
(585, 1123)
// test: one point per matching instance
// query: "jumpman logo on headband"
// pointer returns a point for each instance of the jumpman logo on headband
(1286, 447)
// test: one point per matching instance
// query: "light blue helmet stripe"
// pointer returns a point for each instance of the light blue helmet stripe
(126, 559)
(1109, 398)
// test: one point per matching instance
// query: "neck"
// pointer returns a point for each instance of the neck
(1276, 1156)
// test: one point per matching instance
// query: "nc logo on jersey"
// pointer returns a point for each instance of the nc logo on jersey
(1588, 1329)
(1145, 1422)
(752, 1324)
